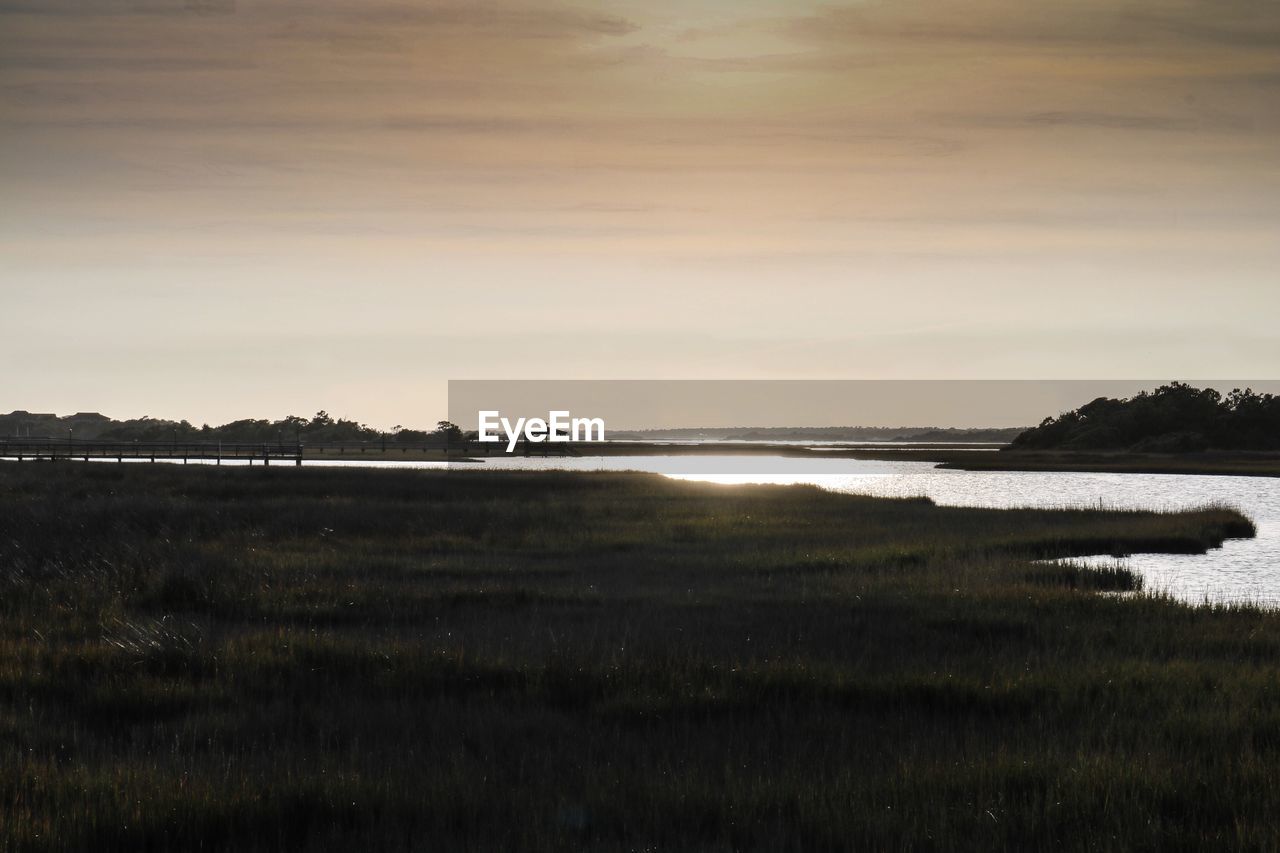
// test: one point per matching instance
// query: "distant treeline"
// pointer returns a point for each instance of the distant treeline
(320, 429)
(325, 429)
(1173, 418)
(839, 433)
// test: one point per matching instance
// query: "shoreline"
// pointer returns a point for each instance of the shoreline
(958, 457)
(961, 457)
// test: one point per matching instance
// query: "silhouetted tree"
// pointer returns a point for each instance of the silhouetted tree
(1172, 418)
(450, 432)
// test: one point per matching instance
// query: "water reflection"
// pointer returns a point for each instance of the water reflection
(1242, 570)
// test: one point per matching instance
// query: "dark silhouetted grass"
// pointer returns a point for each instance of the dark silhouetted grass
(234, 659)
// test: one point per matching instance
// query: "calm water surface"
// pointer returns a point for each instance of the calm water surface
(1242, 570)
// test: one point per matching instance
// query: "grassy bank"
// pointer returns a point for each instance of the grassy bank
(348, 659)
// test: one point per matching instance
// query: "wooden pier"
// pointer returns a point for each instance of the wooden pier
(23, 449)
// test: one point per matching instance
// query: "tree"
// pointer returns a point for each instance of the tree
(1172, 418)
(451, 432)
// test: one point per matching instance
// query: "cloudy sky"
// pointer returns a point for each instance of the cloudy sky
(229, 208)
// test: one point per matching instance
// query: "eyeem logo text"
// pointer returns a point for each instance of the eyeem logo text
(557, 428)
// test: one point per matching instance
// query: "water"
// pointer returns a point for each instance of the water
(816, 444)
(1243, 570)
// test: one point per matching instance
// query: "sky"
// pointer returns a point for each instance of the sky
(666, 404)
(217, 209)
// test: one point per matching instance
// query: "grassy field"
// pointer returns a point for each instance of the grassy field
(252, 659)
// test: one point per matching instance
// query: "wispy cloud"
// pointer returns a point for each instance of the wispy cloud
(1240, 23)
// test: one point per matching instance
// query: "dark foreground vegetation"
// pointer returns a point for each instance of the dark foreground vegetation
(264, 659)
(1174, 418)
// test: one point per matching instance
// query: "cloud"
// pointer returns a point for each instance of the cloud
(140, 64)
(102, 8)
(522, 20)
(1240, 23)
(516, 18)
(1081, 119)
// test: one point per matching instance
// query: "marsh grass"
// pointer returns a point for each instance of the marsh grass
(1112, 578)
(392, 660)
